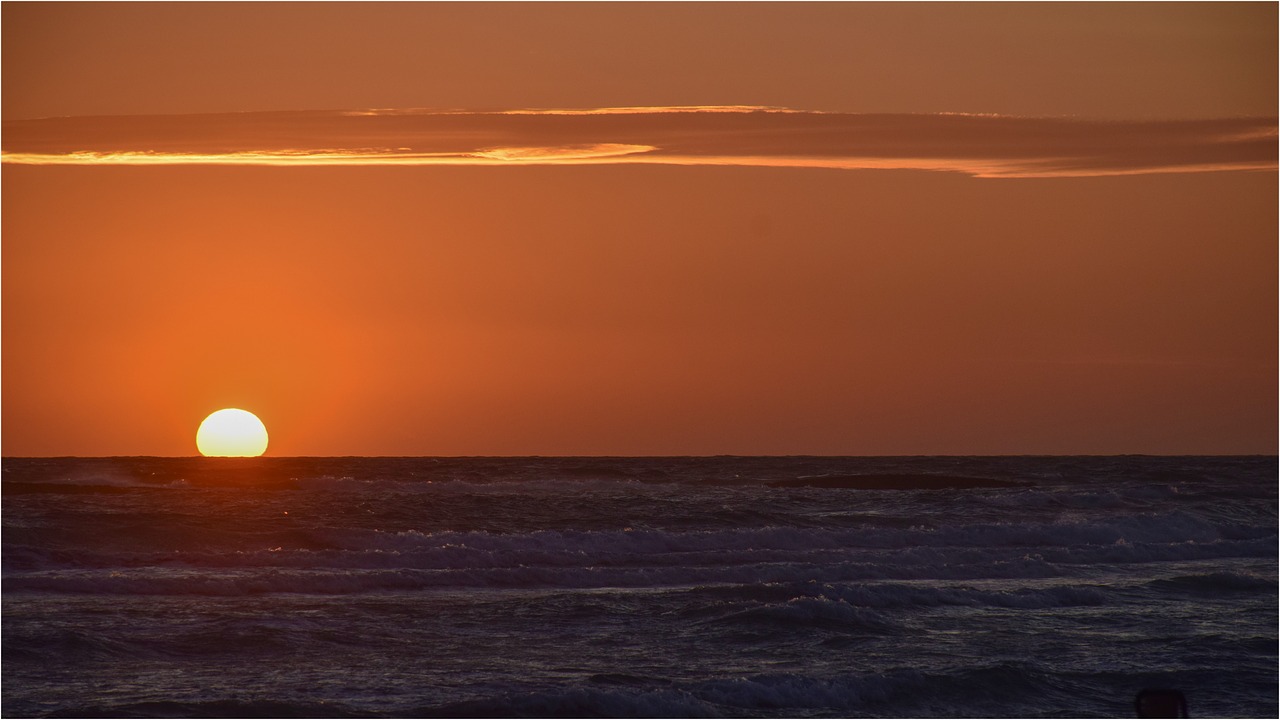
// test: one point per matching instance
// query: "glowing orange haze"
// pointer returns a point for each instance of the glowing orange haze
(629, 310)
(648, 309)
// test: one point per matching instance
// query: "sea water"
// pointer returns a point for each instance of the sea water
(660, 587)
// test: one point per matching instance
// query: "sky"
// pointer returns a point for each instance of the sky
(640, 229)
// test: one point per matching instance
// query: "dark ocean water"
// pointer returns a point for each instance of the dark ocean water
(154, 587)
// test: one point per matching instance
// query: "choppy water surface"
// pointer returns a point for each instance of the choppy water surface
(637, 586)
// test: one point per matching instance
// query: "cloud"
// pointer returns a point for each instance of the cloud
(977, 145)
(601, 151)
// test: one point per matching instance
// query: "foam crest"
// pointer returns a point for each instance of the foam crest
(819, 611)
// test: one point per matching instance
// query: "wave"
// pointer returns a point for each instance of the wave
(1043, 548)
(1218, 583)
(317, 582)
(211, 709)
(38, 571)
(899, 596)
(95, 487)
(64, 643)
(897, 481)
(1008, 689)
(1062, 531)
(710, 699)
(811, 693)
(894, 693)
(339, 572)
(585, 702)
(820, 611)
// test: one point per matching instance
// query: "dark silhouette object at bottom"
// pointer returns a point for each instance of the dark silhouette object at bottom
(1160, 703)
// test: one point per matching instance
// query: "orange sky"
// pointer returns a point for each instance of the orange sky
(697, 287)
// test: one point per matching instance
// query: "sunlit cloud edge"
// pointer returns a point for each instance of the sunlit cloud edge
(1219, 146)
(616, 155)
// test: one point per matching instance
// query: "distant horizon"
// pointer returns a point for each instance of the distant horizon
(618, 457)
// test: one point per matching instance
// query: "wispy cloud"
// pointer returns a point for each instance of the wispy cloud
(977, 145)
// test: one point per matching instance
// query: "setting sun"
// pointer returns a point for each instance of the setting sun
(232, 433)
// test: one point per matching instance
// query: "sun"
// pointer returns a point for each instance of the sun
(232, 433)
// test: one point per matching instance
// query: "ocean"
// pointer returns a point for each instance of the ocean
(651, 587)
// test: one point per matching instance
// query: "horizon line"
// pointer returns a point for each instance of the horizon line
(625, 457)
